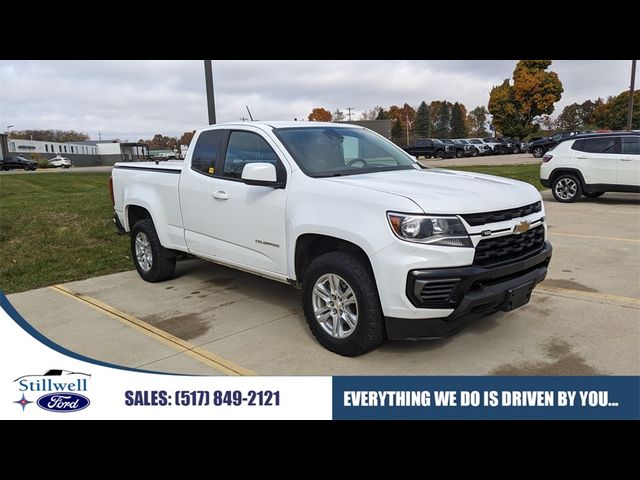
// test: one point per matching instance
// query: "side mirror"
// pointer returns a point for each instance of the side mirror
(261, 174)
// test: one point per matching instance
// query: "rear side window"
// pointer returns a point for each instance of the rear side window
(631, 145)
(243, 148)
(595, 145)
(206, 152)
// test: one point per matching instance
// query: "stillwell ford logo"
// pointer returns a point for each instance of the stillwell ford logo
(59, 391)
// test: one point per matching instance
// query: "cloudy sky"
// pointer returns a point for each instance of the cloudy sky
(136, 99)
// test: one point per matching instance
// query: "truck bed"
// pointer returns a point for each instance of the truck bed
(153, 187)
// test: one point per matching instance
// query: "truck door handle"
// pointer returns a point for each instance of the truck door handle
(582, 158)
(624, 159)
(220, 195)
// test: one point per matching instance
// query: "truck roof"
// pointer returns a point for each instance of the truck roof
(286, 124)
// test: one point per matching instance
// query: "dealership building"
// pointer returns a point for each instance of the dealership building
(81, 154)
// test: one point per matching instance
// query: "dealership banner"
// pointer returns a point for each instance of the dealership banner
(42, 380)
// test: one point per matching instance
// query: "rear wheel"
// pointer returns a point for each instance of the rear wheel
(538, 152)
(459, 153)
(566, 188)
(341, 304)
(153, 262)
(593, 194)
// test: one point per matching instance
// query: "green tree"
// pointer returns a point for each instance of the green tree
(397, 132)
(421, 122)
(441, 119)
(458, 126)
(577, 116)
(477, 121)
(619, 110)
(533, 93)
(382, 114)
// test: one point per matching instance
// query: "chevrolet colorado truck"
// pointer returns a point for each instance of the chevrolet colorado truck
(381, 246)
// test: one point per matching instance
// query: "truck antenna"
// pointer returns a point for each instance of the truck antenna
(250, 116)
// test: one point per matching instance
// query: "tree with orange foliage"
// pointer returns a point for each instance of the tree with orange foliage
(319, 114)
(533, 93)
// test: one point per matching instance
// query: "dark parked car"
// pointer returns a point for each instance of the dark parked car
(9, 163)
(539, 147)
(430, 147)
(463, 149)
(519, 145)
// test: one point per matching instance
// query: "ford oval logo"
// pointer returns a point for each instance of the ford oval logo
(63, 402)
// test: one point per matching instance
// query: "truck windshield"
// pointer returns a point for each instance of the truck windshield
(335, 151)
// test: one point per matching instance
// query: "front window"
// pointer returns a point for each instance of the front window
(334, 151)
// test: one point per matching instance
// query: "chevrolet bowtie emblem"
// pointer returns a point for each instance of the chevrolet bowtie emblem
(522, 227)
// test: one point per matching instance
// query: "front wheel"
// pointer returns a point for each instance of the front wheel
(459, 154)
(440, 154)
(26, 168)
(153, 262)
(341, 304)
(566, 188)
(593, 194)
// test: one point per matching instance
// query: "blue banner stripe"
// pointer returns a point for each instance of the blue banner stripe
(27, 327)
(479, 398)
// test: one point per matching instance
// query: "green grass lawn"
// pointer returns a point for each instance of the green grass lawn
(57, 228)
(526, 173)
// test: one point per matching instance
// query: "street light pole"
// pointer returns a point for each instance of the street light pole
(9, 127)
(631, 91)
(407, 117)
(211, 105)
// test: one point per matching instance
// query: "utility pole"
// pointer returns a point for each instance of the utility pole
(408, 123)
(338, 115)
(349, 114)
(244, 119)
(208, 78)
(631, 91)
(99, 136)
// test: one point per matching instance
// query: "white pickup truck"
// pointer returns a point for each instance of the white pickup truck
(382, 247)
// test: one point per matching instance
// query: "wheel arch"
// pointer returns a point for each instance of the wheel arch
(309, 246)
(562, 170)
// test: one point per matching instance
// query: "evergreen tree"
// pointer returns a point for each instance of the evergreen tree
(397, 131)
(458, 126)
(442, 121)
(421, 122)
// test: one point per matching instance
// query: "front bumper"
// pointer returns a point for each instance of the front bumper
(478, 291)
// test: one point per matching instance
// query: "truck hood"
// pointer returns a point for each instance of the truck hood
(446, 191)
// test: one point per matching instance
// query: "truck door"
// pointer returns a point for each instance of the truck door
(200, 224)
(249, 220)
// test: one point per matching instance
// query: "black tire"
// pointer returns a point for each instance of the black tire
(459, 153)
(26, 168)
(516, 150)
(369, 332)
(474, 152)
(163, 261)
(440, 153)
(593, 194)
(538, 152)
(566, 188)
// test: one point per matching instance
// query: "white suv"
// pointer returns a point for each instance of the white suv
(591, 165)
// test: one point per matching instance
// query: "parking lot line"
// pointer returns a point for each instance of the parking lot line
(615, 239)
(221, 364)
(580, 293)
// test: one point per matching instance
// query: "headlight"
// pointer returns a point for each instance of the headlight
(429, 229)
